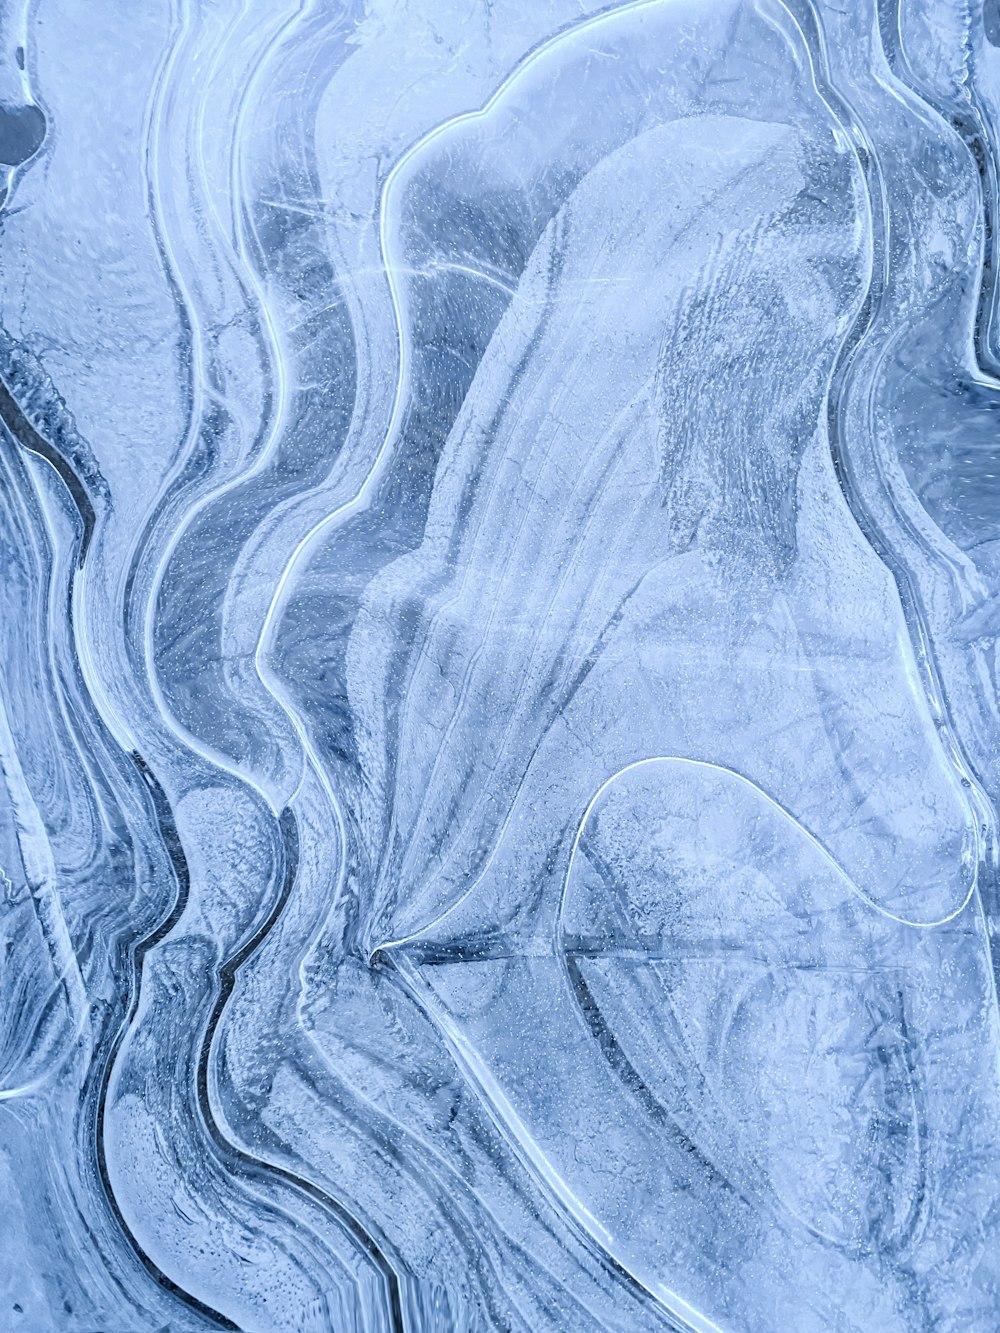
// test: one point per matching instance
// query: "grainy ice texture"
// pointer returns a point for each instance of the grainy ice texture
(499, 728)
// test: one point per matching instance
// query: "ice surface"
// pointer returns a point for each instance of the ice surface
(499, 717)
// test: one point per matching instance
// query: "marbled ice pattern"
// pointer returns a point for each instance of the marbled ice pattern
(499, 715)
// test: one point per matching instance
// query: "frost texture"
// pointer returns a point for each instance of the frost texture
(499, 725)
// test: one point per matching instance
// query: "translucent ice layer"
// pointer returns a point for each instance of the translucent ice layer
(499, 715)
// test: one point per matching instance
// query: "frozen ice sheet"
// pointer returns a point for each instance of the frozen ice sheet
(499, 730)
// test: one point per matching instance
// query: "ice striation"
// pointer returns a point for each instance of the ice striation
(500, 692)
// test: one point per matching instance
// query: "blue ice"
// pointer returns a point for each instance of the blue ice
(499, 688)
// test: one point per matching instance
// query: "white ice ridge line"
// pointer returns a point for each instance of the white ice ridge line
(279, 368)
(616, 428)
(412, 938)
(855, 135)
(310, 757)
(501, 1109)
(153, 119)
(110, 713)
(107, 709)
(841, 873)
(759, 791)
(40, 871)
(360, 500)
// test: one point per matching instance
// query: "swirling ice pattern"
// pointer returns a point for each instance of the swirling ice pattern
(499, 712)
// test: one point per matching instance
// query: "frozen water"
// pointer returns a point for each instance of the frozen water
(499, 696)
